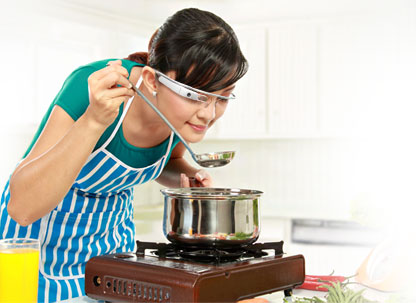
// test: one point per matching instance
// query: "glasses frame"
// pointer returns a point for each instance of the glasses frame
(188, 91)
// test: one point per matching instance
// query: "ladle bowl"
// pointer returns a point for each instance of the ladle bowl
(215, 159)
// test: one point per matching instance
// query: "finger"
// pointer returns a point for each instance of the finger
(206, 183)
(204, 179)
(116, 102)
(112, 79)
(119, 69)
(97, 75)
(201, 175)
(118, 92)
(184, 181)
(114, 62)
(193, 182)
(108, 69)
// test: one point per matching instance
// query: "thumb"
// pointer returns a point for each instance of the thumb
(204, 178)
(201, 175)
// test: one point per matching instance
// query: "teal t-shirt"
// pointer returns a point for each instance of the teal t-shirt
(73, 98)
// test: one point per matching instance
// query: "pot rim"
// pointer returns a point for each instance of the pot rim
(211, 193)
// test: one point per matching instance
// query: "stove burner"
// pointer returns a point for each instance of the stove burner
(210, 254)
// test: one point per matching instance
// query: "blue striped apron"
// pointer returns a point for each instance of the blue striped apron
(94, 218)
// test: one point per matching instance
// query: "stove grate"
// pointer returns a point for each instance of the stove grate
(210, 254)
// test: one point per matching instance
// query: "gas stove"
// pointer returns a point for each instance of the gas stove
(162, 272)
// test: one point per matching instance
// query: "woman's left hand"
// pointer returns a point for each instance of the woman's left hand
(200, 179)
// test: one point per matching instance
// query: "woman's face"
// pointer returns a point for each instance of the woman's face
(191, 118)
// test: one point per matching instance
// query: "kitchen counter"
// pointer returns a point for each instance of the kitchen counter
(277, 297)
(274, 297)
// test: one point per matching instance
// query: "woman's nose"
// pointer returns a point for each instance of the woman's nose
(207, 110)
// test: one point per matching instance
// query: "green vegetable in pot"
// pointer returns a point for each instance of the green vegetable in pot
(240, 236)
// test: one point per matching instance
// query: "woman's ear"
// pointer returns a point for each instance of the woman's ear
(149, 78)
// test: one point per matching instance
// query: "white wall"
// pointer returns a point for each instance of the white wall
(40, 46)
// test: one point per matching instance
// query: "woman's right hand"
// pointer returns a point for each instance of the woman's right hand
(201, 179)
(108, 88)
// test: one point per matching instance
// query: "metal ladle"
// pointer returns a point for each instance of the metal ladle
(214, 159)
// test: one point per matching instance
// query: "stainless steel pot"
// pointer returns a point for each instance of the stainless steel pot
(211, 216)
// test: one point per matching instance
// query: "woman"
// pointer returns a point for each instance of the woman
(73, 189)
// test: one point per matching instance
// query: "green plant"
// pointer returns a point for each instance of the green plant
(337, 293)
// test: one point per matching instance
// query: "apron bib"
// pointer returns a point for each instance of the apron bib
(94, 218)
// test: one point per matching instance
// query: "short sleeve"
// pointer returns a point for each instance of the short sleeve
(73, 96)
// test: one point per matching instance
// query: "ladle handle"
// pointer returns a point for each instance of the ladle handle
(164, 119)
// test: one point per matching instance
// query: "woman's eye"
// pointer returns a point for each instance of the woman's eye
(192, 101)
(222, 100)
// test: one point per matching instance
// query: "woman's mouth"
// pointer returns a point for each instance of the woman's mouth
(198, 128)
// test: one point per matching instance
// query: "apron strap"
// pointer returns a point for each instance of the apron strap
(126, 108)
(172, 135)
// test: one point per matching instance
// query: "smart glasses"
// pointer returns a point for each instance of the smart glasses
(188, 91)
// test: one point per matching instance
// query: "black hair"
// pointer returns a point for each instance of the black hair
(200, 47)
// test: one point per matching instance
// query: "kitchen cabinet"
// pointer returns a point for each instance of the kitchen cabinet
(326, 77)
(292, 79)
(277, 98)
